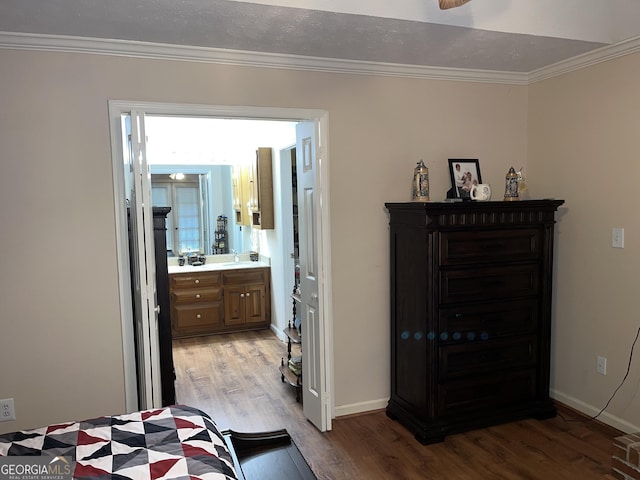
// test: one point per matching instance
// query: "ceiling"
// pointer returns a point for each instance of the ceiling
(519, 36)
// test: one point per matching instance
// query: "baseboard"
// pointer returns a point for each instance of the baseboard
(279, 333)
(589, 411)
(363, 407)
(578, 406)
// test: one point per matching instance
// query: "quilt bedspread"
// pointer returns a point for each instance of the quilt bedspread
(167, 443)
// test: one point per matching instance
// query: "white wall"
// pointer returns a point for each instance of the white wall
(280, 242)
(584, 147)
(58, 293)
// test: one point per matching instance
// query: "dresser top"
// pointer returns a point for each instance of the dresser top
(474, 213)
(477, 205)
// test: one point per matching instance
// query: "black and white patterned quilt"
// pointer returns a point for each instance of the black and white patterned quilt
(168, 443)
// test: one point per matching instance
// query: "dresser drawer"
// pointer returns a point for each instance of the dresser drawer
(481, 358)
(482, 322)
(487, 283)
(196, 296)
(197, 318)
(486, 246)
(488, 392)
(194, 280)
(244, 277)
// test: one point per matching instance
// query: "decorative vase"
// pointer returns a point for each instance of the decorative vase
(511, 192)
(420, 187)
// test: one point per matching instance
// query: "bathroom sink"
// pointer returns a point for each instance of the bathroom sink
(212, 266)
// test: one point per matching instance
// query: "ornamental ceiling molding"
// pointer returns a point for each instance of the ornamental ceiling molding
(185, 53)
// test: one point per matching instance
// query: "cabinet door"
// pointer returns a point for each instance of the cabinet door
(254, 304)
(234, 306)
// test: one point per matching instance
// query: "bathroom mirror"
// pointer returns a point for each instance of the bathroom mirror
(199, 196)
(205, 148)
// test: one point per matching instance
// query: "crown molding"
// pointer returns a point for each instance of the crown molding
(185, 53)
(603, 54)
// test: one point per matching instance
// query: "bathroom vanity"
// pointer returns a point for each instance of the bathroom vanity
(219, 297)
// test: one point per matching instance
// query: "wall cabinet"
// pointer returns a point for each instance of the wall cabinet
(470, 314)
(221, 301)
(253, 191)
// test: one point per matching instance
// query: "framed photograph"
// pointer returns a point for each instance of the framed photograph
(464, 172)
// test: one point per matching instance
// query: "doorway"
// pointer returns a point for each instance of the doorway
(323, 254)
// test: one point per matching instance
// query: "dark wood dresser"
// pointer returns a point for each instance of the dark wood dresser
(167, 371)
(470, 314)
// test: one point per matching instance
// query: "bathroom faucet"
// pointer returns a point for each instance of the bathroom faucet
(236, 256)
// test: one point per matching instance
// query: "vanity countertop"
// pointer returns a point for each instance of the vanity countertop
(215, 263)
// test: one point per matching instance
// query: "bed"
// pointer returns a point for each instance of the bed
(172, 442)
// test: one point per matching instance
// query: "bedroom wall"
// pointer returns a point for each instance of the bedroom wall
(584, 144)
(61, 341)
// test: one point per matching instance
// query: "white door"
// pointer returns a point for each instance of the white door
(315, 398)
(321, 358)
(143, 265)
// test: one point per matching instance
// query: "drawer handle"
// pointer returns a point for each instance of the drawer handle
(196, 281)
(242, 295)
(197, 295)
(198, 316)
(248, 294)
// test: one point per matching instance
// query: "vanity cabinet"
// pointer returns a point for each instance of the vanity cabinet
(246, 303)
(220, 301)
(197, 304)
(470, 314)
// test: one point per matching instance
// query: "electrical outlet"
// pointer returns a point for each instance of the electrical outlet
(601, 365)
(7, 410)
(617, 237)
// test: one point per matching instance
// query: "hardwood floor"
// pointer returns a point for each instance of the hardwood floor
(235, 379)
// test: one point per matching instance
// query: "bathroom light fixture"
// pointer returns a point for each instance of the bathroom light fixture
(176, 176)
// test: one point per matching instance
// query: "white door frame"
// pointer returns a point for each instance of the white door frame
(321, 117)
